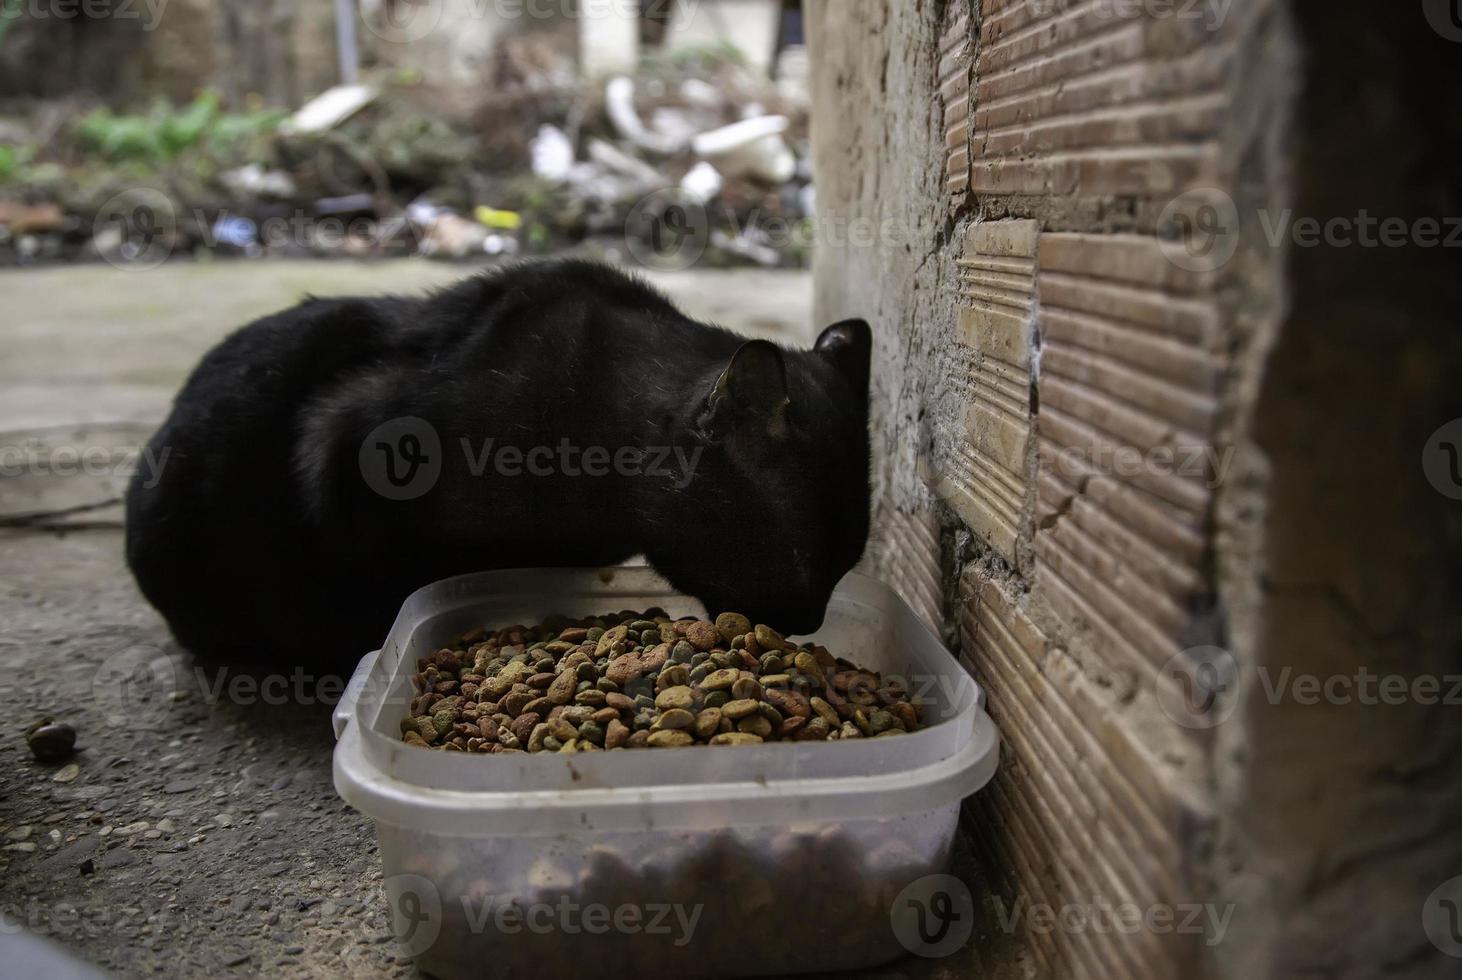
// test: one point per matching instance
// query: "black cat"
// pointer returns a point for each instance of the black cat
(322, 463)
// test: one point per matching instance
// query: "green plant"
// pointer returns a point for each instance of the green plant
(166, 132)
(14, 159)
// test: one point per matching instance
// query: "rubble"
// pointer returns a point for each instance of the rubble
(545, 162)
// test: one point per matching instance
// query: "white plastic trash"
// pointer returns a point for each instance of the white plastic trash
(779, 858)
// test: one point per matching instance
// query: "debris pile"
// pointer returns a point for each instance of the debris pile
(694, 158)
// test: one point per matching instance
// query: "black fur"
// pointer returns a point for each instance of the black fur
(261, 536)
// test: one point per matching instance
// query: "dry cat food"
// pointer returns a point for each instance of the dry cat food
(636, 680)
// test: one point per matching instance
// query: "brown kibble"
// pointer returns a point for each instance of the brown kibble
(736, 710)
(788, 702)
(524, 724)
(790, 726)
(669, 738)
(769, 639)
(737, 738)
(610, 637)
(732, 625)
(702, 635)
(720, 680)
(707, 722)
(906, 713)
(561, 691)
(514, 703)
(755, 725)
(675, 697)
(629, 666)
(677, 718)
(615, 734)
(816, 730)
(825, 711)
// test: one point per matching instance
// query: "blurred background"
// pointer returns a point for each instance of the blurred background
(454, 129)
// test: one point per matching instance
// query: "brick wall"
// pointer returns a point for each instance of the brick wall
(1074, 328)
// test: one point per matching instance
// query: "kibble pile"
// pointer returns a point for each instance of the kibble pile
(636, 680)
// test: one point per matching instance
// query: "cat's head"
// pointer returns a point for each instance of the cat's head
(777, 512)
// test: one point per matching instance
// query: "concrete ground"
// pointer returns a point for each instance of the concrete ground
(198, 834)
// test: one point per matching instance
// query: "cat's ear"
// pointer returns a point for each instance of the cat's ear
(751, 391)
(849, 345)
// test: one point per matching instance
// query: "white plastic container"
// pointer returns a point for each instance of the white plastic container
(732, 861)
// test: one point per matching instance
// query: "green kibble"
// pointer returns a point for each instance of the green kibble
(594, 633)
(551, 744)
(717, 699)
